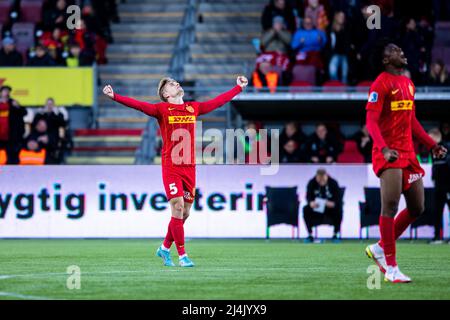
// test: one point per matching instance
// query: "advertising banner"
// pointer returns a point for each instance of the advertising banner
(32, 86)
(129, 201)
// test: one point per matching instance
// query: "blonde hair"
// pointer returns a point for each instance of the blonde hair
(161, 86)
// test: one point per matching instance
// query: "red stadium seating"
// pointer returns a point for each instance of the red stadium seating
(363, 86)
(304, 73)
(31, 11)
(350, 154)
(300, 86)
(5, 7)
(333, 86)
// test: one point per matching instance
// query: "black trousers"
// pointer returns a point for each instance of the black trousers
(331, 216)
(442, 197)
(12, 151)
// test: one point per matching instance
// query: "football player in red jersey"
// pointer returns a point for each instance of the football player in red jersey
(177, 119)
(392, 124)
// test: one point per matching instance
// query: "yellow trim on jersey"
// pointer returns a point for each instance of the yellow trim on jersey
(181, 119)
(401, 105)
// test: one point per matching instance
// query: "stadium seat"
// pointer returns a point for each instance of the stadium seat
(304, 73)
(333, 86)
(300, 86)
(23, 33)
(350, 154)
(31, 11)
(369, 211)
(427, 218)
(5, 7)
(282, 207)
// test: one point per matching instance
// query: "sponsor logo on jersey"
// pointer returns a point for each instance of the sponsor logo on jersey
(401, 105)
(181, 119)
(373, 97)
(394, 91)
(413, 177)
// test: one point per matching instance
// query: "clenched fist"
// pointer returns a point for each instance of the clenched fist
(108, 90)
(242, 81)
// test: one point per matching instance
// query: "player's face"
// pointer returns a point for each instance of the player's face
(395, 56)
(173, 89)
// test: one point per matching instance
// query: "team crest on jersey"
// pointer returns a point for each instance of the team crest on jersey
(411, 90)
(373, 97)
(190, 109)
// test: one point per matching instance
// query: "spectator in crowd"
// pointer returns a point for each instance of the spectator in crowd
(291, 140)
(57, 124)
(445, 131)
(41, 58)
(41, 138)
(441, 177)
(275, 44)
(438, 75)
(364, 143)
(321, 148)
(266, 74)
(9, 56)
(413, 46)
(339, 46)
(12, 126)
(307, 43)
(278, 8)
(277, 39)
(55, 15)
(317, 13)
(324, 204)
(251, 144)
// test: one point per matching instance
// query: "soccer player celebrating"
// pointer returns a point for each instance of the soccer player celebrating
(392, 124)
(176, 119)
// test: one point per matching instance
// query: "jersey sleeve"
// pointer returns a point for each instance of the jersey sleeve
(145, 107)
(377, 95)
(220, 100)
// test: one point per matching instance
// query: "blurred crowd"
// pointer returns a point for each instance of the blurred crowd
(317, 42)
(52, 41)
(327, 144)
(32, 135)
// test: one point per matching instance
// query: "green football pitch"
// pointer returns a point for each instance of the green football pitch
(225, 269)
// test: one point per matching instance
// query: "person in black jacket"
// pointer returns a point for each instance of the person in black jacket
(11, 110)
(9, 56)
(441, 177)
(324, 204)
(278, 8)
(41, 58)
(291, 140)
(322, 148)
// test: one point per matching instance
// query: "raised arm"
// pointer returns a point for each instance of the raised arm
(145, 107)
(220, 100)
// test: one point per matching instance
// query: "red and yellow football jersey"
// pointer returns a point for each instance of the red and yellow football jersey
(393, 96)
(177, 124)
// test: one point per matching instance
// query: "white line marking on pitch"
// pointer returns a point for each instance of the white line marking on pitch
(22, 296)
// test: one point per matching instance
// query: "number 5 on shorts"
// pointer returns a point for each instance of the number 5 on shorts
(173, 189)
